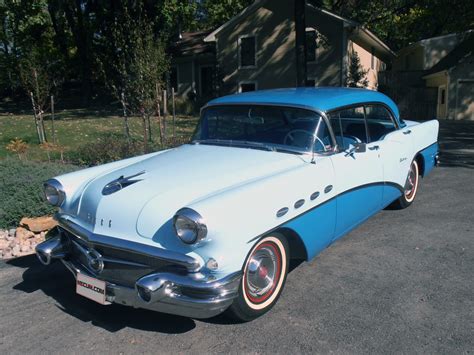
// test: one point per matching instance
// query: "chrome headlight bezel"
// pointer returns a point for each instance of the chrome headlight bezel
(189, 226)
(54, 192)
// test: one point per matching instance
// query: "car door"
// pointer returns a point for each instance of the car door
(358, 174)
(394, 146)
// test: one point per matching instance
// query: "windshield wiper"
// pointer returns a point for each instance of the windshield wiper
(232, 143)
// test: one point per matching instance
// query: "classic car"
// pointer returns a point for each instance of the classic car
(211, 226)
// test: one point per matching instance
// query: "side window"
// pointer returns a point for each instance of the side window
(379, 122)
(349, 126)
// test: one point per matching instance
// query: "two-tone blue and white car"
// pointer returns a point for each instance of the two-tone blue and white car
(212, 225)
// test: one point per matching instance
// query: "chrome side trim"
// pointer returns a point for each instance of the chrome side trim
(188, 262)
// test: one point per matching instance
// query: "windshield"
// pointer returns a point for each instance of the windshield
(263, 127)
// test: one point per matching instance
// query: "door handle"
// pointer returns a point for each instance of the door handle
(375, 147)
(407, 132)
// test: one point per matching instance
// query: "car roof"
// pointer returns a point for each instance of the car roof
(321, 98)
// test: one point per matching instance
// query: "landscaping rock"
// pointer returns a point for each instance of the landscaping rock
(23, 234)
(22, 240)
(4, 244)
(39, 224)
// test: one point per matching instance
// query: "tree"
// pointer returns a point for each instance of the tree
(356, 75)
(132, 60)
(214, 13)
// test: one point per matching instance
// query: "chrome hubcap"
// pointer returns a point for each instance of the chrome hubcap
(262, 271)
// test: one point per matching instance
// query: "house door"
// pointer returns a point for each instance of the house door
(441, 110)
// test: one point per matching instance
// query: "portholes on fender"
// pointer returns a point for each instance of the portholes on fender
(282, 211)
(328, 189)
(299, 203)
(314, 196)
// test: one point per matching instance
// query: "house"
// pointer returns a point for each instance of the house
(256, 50)
(436, 75)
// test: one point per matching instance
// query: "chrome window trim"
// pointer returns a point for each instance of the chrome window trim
(364, 104)
(273, 104)
(368, 103)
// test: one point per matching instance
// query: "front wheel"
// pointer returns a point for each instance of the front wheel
(411, 187)
(264, 276)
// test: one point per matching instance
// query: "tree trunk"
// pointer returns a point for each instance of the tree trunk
(145, 135)
(158, 109)
(52, 119)
(174, 113)
(39, 108)
(38, 132)
(165, 113)
(300, 29)
(125, 117)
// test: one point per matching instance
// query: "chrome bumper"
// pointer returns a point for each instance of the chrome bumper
(215, 295)
(176, 290)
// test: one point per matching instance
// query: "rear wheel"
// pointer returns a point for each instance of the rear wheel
(411, 187)
(264, 276)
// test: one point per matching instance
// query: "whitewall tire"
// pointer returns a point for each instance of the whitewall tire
(264, 276)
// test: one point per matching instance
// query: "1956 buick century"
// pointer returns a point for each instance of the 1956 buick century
(211, 226)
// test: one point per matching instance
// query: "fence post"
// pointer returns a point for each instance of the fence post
(174, 113)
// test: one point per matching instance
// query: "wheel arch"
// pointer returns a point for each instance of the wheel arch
(297, 247)
(420, 159)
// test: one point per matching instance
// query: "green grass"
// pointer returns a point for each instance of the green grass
(78, 127)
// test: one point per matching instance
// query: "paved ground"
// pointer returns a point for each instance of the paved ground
(402, 282)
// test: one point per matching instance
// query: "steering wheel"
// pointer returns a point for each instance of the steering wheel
(357, 140)
(290, 136)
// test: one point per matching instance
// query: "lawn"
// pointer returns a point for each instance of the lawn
(79, 127)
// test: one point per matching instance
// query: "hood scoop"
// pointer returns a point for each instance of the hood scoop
(120, 183)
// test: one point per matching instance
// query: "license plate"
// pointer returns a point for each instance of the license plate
(91, 288)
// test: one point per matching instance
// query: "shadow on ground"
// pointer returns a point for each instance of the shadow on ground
(456, 141)
(56, 282)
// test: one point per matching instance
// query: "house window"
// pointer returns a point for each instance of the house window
(311, 46)
(174, 78)
(372, 58)
(247, 86)
(247, 51)
(207, 80)
(443, 96)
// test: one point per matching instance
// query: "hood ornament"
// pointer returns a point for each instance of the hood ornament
(120, 183)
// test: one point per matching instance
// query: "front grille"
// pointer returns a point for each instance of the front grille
(120, 266)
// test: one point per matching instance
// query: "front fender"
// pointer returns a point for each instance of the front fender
(237, 218)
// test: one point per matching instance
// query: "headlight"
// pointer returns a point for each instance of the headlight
(54, 192)
(189, 226)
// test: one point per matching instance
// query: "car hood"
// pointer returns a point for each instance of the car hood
(144, 195)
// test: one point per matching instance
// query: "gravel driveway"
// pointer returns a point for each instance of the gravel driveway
(402, 282)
